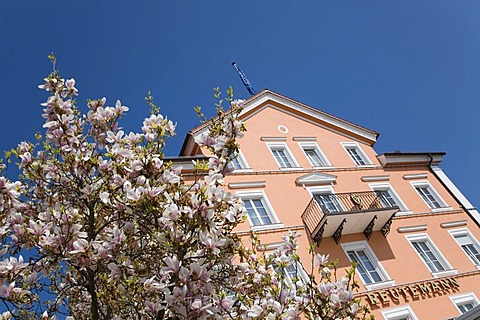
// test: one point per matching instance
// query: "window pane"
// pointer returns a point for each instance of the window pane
(472, 252)
(355, 156)
(470, 248)
(328, 202)
(257, 212)
(369, 266)
(466, 306)
(236, 163)
(386, 198)
(428, 256)
(251, 213)
(428, 197)
(261, 212)
(360, 268)
(367, 270)
(313, 157)
(282, 159)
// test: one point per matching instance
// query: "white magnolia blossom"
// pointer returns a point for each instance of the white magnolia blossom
(100, 226)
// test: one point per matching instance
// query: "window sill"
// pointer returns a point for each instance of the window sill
(445, 273)
(403, 213)
(242, 170)
(323, 167)
(380, 285)
(366, 166)
(443, 209)
(290, 168)
(268, 226)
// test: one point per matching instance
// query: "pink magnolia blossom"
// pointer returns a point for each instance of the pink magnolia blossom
(112, 230)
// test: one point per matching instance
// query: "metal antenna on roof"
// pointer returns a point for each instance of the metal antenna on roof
(245, 81)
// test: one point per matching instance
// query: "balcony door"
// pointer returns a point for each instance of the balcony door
(328, 202)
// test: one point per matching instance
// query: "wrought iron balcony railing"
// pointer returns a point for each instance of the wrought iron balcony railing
(334, 214)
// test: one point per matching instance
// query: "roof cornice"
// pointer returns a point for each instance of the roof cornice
(391, 159)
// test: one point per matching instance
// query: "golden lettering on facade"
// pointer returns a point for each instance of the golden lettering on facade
(373, 298)
(424, 287)
(445, 284)
(435, 286)
(413, 292)
(394, 294)
(454, 282)
(384, 296)
(404, 291)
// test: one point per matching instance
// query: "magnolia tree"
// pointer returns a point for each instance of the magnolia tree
(100, 226)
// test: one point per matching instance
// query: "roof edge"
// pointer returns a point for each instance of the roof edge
(397, 158)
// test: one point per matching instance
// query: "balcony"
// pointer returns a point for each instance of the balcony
(331, 215)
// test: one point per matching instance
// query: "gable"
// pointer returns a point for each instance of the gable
(297, 113)
(306, 113)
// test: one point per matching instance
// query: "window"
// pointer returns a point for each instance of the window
(238, 162)
(465, 302)
(326, 199)
(428, 197)
(466, 306)
(353, 152)
(356, 153)
(328, 202)
(282, 156)
(292, 272)
(314, 155)
(402, 313)
(256, 212)
(468, 243)
(428, 194)
(364, 266)
(429, 253)
(258, 208)
(368, 266)
(387, 196)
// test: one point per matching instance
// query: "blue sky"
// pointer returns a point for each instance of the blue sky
(407, 69)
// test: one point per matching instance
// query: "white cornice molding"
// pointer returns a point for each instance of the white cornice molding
(415, 176)
(301, 139)
(246, 185)
(270, 139)
(407, 229)
(452, 224)
(375, 178)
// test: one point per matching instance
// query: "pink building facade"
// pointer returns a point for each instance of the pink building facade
(412, 233)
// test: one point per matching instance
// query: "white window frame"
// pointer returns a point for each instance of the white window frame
(363, 245)
(300, 270)
(244, 167)
(387, 187)
(434, 193)
(260, 195)
(476, 244)
(464, 298)
(326, 190)
(399, 313)
(318, 151)
(448, 270)
(361, 154)
(283, 146)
